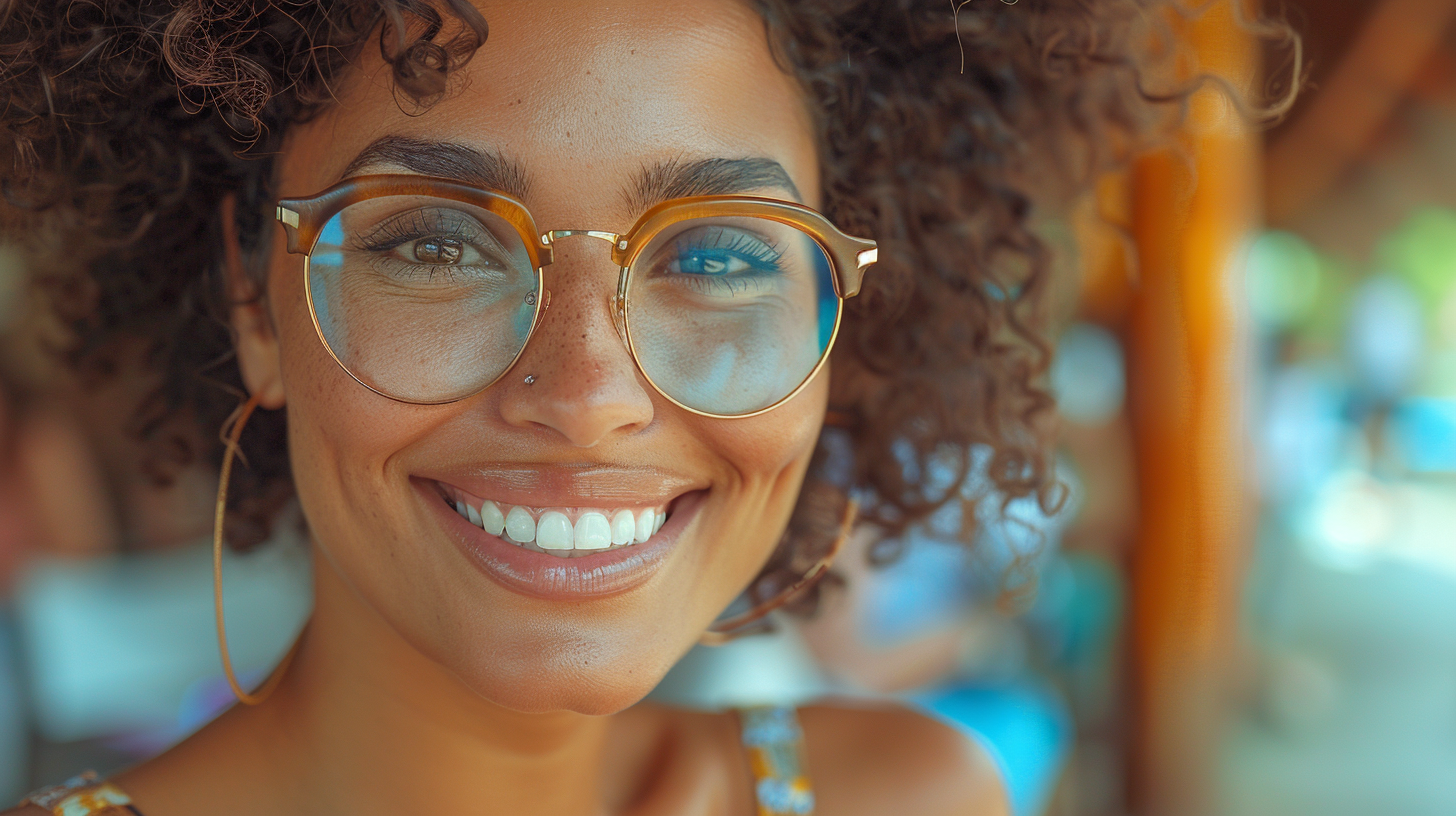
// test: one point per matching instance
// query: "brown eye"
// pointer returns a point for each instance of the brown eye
(438, 250)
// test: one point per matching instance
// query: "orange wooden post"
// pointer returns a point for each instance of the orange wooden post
(1193, 212)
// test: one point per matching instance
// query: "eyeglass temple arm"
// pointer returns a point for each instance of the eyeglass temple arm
(851, 275)
(289, 218)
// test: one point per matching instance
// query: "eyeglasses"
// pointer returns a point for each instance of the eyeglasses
(426, 290)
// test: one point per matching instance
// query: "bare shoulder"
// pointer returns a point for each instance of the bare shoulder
(883, 758)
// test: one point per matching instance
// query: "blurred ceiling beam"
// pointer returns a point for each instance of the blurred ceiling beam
(1344, 116)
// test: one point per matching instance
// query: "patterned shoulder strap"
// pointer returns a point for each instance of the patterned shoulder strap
(83, 795)
(775, 745)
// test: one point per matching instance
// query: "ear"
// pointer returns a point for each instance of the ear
(255, 339)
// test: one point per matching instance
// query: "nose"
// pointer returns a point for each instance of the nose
(576, 378)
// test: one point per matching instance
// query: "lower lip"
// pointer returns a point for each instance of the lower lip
(553, 578)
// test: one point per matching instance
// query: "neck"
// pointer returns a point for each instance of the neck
(377, 727)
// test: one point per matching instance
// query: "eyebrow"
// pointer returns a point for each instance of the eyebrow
(478, 168)
(655, 183)
(677, 178)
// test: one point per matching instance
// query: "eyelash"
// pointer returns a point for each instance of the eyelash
(401, 229)
(412, 226)
(756, 249)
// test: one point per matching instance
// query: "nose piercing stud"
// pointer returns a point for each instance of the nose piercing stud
(530, 379)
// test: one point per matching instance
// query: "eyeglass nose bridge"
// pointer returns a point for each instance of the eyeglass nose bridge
(549, 237)
(619, 247)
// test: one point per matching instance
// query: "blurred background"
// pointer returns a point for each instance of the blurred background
(1247, 606)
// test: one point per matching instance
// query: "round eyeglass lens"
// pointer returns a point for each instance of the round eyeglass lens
(422, 299)
(729, 315)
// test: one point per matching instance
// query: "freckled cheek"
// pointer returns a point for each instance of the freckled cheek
(320, 394)
(341, 435)
(768, 453)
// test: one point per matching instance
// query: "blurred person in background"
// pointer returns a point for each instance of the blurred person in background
(101, 565)
(525, 497)
(53, 500)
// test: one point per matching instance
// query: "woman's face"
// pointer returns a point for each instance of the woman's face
(591, 106)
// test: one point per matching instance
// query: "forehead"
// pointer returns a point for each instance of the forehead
(583, 95)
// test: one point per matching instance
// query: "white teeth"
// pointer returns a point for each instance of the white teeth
(520, 526)
(624, 527)
(593, 532)
(491, 518)
(553, 532)
(646, 521)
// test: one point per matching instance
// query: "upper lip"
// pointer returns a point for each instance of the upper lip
(581, 485)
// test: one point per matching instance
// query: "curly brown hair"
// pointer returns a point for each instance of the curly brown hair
(944, 128)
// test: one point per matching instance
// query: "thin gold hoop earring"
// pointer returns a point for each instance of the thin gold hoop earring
(732, 628)
(233, 428)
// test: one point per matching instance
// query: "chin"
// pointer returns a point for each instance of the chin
(599, 702)
(585, 677)
(599, 693)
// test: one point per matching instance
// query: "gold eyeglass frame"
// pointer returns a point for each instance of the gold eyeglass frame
(303, 219)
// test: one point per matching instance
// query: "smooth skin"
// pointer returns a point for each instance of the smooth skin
(421, 686)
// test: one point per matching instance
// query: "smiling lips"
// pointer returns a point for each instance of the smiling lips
(564, 532)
